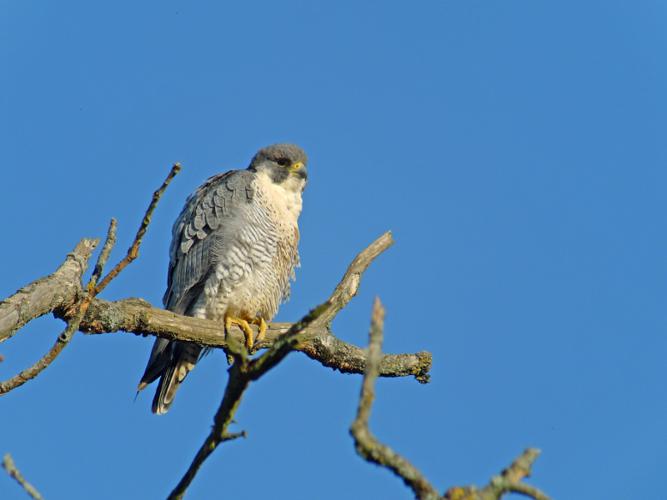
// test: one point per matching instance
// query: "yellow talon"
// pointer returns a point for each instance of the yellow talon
(262, 328)
(244, 326)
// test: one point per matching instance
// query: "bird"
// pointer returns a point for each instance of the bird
(232, 257)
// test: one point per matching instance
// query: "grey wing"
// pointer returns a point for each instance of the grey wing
(195, 232)
(191, 257)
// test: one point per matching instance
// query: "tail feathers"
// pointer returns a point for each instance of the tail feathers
(184, 358)
(161, 355)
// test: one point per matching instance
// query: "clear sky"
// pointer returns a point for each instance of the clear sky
(517, 150)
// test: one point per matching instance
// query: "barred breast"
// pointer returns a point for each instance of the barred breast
(255, 255)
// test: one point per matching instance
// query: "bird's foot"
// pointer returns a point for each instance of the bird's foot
(245, 328)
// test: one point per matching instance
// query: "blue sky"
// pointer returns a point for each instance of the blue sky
(515, 148)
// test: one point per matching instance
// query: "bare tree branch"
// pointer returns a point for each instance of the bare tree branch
(366, 444)
(9, 465)
(243, 370)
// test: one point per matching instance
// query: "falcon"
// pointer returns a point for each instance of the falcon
(233, 253)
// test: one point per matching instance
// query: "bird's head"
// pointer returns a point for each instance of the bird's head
(284, 163)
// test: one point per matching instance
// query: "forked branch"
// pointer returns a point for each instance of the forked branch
(366, 444)
(372, 450)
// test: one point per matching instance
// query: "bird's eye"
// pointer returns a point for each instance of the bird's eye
(283, 162)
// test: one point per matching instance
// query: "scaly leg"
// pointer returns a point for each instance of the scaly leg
(245, 328)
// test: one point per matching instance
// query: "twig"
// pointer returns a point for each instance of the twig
(9, 465)
(133, 251)
(243, 370)
(103, 257)
(366, 444)
(349, 285)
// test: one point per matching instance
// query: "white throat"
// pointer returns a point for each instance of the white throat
(285, 198)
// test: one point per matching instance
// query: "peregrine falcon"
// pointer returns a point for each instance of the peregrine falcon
(233, 253)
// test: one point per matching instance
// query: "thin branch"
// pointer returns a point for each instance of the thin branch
(37, 368)
(349, 285)
(9, 465)
(133, 251)
(243, 370)
(366, 444)
(103, 257)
